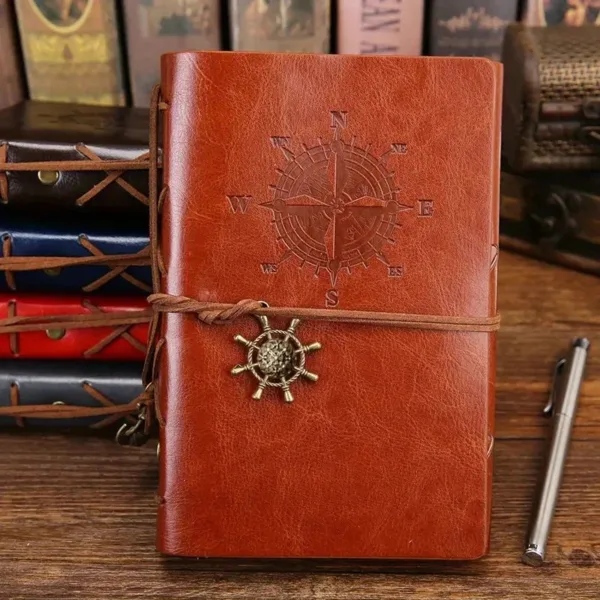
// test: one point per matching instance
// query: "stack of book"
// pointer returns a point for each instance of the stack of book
(74, 227)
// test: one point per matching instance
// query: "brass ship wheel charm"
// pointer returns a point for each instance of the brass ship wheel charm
(276, 358)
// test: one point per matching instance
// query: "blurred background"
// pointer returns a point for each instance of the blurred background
(106, 52)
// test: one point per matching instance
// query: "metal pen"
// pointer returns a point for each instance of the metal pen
(562, 404)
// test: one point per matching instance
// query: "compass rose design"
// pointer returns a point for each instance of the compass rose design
(335, 205)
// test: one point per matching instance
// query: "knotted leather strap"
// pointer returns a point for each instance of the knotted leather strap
(218, 314)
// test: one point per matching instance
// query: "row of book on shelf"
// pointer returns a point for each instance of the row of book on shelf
(107, 51)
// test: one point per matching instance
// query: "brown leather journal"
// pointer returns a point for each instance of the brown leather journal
(326, 355)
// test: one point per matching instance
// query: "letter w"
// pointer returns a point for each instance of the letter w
(239, 203)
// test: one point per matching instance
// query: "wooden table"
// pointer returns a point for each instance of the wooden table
(77, 514)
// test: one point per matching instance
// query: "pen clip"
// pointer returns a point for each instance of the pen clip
(558, 368)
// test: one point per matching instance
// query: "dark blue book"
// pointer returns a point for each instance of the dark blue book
(35, 234)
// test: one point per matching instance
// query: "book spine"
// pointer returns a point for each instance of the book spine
(382, 27)
(11, 85)
(281, 25)
(155, 27)
(45, 333)
(470, 27)
(67, 387)
(72, 238)
(540, 13)
(71, 51)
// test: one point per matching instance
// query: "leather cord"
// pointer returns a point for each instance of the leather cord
(117, 263)
(219, 314)
(114, 169)
(109, 410)
(16, 324)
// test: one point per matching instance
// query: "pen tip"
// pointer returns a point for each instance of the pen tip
(582, 343)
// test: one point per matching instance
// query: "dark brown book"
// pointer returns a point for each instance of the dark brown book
(469, 27)
(155, 27)
(11, 84)
(71, 51)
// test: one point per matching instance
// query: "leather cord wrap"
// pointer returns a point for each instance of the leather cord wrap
(219, 314)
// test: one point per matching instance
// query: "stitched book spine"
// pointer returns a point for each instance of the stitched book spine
(68, 386)
(74, 239)
(50, 133)
(385, 27)
(155, 27)
(125, 341)
(281, 25)
(469, 27)
(11, 85)
(71, 51)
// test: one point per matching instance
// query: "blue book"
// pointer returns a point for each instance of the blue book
(73, 236)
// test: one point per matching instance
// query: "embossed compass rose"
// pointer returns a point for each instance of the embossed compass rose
(335, 205)
(276, 358)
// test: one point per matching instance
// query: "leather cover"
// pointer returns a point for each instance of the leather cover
(11, 84)
(157, 27)
(280, 25)
(385, 27)
(346, 182)
(552, 98)
(122, 342)
(554, 217)
(69, 382)
(45, 131)
(72, 51)
(69, 236)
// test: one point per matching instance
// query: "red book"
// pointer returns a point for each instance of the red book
(123, 339)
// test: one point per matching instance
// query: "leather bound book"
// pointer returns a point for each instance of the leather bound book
(71, 51)
(329, 230)
(11, 84)
(38, 140)
(385, 27)
(281, 25)
(48, 340)
(66, 240)
(68, 389)
(468, 27)
(158, 26)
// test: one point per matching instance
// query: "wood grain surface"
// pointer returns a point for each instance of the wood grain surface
(77, 513)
